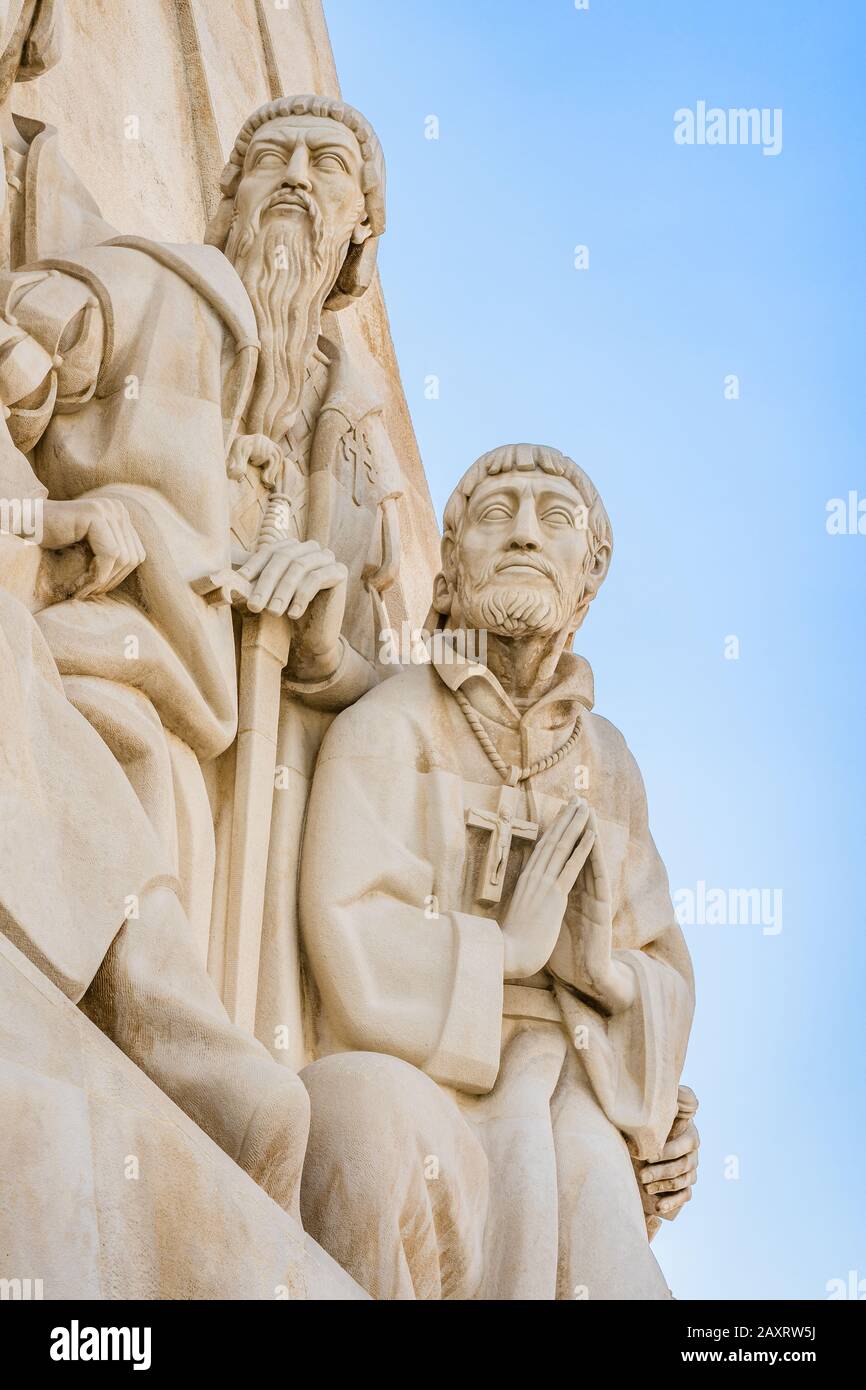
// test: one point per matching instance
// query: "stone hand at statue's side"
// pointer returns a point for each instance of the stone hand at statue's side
(510, 1009)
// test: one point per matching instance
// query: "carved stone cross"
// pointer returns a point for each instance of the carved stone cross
(502, 827)
(356, 450)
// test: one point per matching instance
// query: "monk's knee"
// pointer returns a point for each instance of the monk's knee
(369, 1110)
(393, 1176)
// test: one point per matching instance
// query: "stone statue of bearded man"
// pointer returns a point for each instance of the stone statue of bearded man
(302, 212)
(300, 218)
(504, 993)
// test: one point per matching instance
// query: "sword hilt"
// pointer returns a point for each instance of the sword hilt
(276, 520)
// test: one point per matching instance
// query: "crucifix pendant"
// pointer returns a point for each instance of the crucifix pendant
(502, 827)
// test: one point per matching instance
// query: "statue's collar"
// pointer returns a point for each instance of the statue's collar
(573, 686)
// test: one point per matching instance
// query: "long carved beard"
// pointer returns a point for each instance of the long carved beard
(288, 270)
(507, 610)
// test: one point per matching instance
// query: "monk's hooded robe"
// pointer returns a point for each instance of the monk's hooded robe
(471, 1137)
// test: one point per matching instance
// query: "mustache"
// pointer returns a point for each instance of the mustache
(292, 197)
(536, 562)
(297, 197)
(243, 232)
(503, 605)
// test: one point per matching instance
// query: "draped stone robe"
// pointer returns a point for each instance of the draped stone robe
(536, 1091)
(90, 896)
(154, 349)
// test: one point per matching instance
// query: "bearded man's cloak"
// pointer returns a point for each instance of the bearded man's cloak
(154, 349)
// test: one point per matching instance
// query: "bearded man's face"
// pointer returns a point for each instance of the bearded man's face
(520, 563)
(298, 206)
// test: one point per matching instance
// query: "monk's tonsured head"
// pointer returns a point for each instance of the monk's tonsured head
(526, 544)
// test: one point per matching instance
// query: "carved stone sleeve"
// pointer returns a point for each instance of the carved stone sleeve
(396, 973)
(634, 1060)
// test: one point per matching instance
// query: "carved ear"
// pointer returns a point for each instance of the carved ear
(358, 270)
(596, 573)
(442, 596)
(363, 231)
(434, 622)
(440, 606)
(597, 570)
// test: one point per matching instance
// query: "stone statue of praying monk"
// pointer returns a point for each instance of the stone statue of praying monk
(503, 993)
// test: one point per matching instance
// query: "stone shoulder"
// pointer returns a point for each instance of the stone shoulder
(390, 720)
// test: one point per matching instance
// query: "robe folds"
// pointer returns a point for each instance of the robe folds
(90, 893)
(153, 350)
(66, 888)
(90, 896)
(547, 1098)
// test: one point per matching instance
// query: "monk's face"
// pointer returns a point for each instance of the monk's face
(307, 170)
(521, 558)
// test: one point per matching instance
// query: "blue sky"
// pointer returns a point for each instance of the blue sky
(556, 130)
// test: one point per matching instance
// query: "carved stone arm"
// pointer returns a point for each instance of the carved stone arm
(353, 677)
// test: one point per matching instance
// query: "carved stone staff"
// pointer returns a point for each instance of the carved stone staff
(265, 642)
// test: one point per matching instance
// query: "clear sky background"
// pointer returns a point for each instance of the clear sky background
(556, 129)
